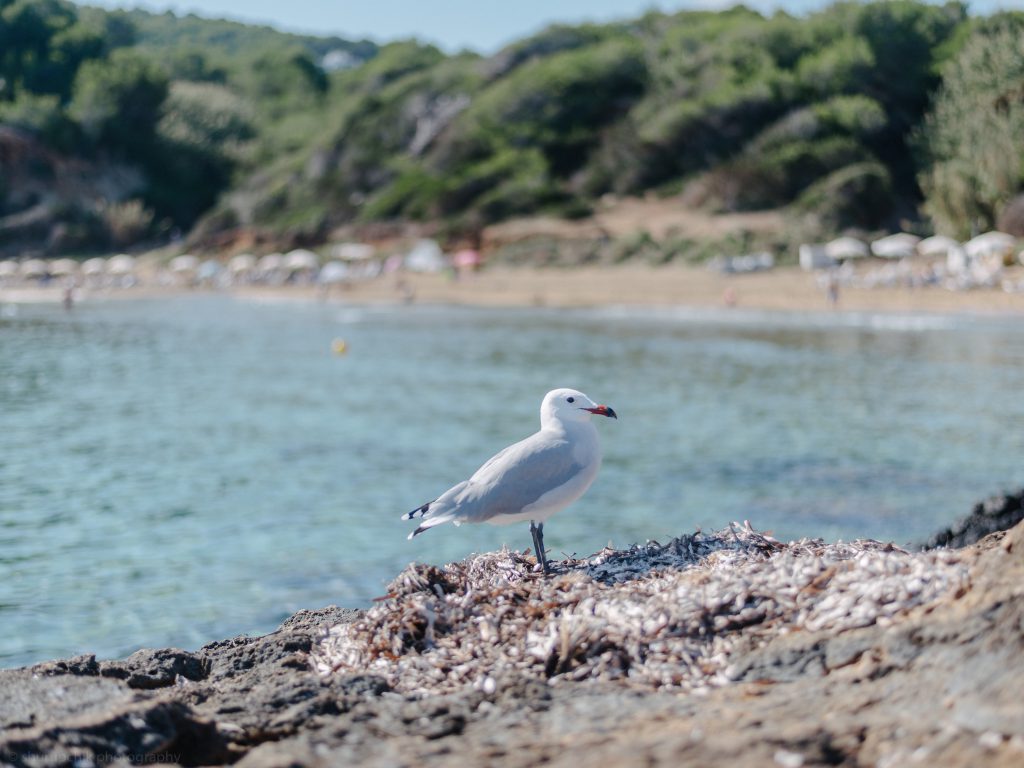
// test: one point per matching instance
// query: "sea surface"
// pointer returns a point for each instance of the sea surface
(174, 471)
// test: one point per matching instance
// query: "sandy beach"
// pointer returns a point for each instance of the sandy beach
(783, 289)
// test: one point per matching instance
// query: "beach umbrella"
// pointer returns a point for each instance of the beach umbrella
(243, 262)
(843, 248)
(937, 245)
(334, 272)
(184, 263)
(957, 260)
(300, 259)
(467, 259)
(33, 268)
(271, 262)
(208, 270)
(425, 256)
(8, 268)
(122, 264)
(990, 244)
(353, 251)
(63, 267)
(96, 266)
(899, 246)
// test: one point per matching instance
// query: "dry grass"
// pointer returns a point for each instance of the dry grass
(654, 616)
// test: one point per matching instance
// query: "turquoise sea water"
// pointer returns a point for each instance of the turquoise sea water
(177, 471)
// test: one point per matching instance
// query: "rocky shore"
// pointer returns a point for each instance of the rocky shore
(723, 648)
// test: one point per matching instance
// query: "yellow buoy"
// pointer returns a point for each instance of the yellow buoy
(339, 347)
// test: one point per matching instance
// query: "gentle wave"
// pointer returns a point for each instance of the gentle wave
(786, 319)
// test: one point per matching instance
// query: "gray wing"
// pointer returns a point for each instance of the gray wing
(515, 478)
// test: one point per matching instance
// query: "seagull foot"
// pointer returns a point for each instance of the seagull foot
(537, 531)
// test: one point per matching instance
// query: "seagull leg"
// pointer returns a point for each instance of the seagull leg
(537, 531)
(543, 552)
(537, 546)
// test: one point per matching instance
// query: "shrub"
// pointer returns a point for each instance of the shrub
(126, 222)
(857, 196)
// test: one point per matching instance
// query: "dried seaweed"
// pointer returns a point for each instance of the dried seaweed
(656, 616)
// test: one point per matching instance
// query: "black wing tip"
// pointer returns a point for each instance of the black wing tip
(418, 512)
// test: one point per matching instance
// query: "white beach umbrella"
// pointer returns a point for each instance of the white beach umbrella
(208, 270)
(63, 267)
(353, 251)
(8, 268)
(425, 256)
(990, 244)
(243, 262)
(300, 259)
(122, 264)
(846, 248)
(184, 263)
(96, 266)
(899, 246)
(334, 272)
(957, 260)
(33, 268)
(937, 245)
(271, 262)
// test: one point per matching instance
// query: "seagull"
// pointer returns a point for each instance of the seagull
(529, 480)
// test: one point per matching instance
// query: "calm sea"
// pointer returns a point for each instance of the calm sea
(177, 471)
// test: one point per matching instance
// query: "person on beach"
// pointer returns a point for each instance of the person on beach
(832, 288)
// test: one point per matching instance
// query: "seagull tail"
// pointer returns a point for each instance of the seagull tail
(418, 512)
(430, 523)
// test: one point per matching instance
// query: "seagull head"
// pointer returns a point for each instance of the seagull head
(568, 405)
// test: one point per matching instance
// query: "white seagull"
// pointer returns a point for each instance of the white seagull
(532, 479)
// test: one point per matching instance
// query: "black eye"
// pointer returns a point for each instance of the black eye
(571, 399)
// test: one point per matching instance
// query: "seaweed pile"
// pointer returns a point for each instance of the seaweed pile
(654, 616)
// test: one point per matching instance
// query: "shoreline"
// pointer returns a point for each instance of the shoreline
(783, 290)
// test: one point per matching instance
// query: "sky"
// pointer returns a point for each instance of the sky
(452, 24)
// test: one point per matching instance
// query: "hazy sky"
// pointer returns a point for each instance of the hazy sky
(453, 24)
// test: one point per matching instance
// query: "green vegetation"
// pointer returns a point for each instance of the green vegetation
(974, 139)
(864, 115)
(158, 112)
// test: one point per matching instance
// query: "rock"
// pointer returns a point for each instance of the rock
(157, 668)
(77, 665)
(174, 706)
(147, 732)
(28, 699)
(997, 513)
(320, 618)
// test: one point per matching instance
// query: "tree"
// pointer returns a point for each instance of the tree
(973, 137)
(42, 45)
(118, 101)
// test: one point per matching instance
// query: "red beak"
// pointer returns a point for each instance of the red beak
(602, 410)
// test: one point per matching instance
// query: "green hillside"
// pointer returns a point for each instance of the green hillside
(864, 115)
(168, 33)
